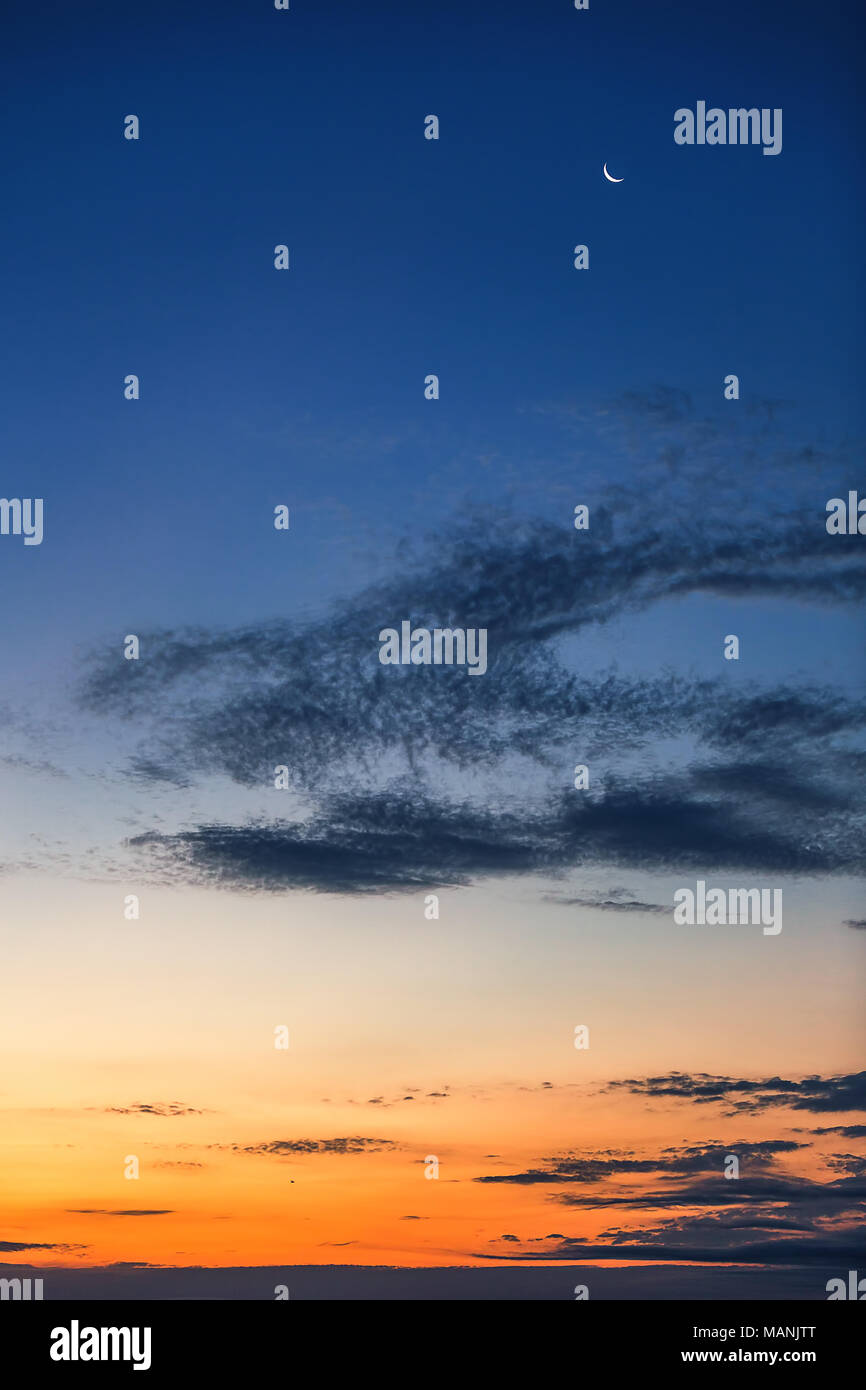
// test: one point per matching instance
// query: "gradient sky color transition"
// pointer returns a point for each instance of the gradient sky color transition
(305, 907)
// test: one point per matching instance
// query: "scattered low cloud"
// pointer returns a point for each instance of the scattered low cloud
(842, 1251)
(283, 1148)
(615, 900)
(592, 1168)
(813, 1093)
(12, 1247)
(104, 1211)
(166, 1108)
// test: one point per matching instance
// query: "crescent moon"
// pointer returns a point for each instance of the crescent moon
(610, 177)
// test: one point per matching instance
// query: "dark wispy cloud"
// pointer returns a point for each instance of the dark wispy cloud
(615, 900)
(400, 840)
(791, 1251)
(854, 1165)
(385, 1102)
(171, 1108)
(846, 1131)
(812, 1093)
(698, 1158)
(718, 1216)
(392, 841)
(722, 1228)
(282, 1148)
(526, 582)
(845, 1195)
(767, 779)
(855, 923)
(104, 1211)
(12, 1247)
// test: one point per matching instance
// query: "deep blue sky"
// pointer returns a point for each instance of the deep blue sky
(408, 257)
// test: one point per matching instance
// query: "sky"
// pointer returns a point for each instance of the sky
(431, 1110)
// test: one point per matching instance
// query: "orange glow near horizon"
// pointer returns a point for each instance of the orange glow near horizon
(155, 1040)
